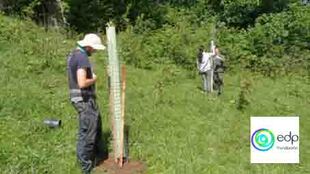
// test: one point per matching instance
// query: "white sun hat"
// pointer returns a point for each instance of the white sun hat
(92, 40)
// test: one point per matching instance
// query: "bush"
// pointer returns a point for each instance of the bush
(277, 44)
(176, 42)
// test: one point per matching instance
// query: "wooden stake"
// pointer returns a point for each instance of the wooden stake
(123, 112)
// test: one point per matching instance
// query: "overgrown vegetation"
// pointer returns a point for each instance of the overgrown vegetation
(277, 44)
(271, 37)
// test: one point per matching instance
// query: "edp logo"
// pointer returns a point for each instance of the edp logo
(288, 138)
(264, 139)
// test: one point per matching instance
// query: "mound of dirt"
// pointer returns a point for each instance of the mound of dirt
(110, 167)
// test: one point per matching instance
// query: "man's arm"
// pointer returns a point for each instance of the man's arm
(83, 82)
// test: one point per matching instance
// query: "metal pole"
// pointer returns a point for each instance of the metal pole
(212, 67)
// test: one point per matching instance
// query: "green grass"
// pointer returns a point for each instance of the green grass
(188, 132)
(174, 128)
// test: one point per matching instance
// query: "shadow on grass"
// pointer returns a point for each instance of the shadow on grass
(102, 152)
(126, 142)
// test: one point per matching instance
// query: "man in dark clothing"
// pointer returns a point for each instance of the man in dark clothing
(82, 81)
(218, 72)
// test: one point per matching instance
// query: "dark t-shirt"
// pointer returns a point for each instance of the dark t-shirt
(219, 66)
(76, 60)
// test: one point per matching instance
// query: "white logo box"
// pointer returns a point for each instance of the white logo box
(274, 139)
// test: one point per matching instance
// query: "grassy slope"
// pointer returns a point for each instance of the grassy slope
(174, 128)
(193, 133)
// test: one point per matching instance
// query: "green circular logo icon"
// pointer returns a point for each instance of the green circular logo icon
(262, 139)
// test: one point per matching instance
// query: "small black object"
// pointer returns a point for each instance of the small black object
(52, 123)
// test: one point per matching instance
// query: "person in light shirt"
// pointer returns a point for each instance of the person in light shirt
(204, 67)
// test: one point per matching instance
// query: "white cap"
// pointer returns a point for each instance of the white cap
(93, 41)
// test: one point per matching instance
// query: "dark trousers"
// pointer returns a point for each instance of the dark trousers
(89, 143)
(218, 82)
